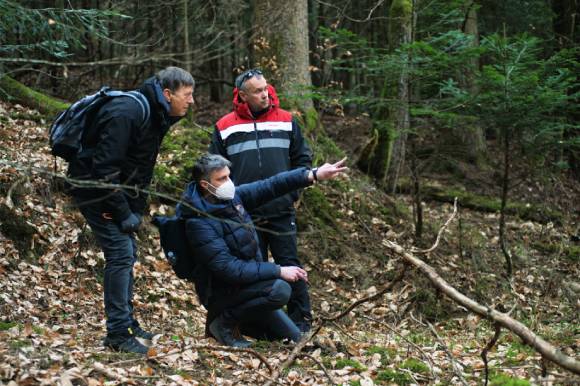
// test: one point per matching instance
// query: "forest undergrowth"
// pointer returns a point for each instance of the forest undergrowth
(51, 272)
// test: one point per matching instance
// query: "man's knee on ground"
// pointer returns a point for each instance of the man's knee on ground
(280, 292)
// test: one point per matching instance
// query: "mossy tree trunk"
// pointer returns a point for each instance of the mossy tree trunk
(384, 154)
(400, 33)
(473, 137)
(12, 90)
(281, 48)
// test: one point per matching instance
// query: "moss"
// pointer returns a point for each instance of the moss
(318, 206)
(179, 151)
(505, 380)
(386, 353)
(16, 228)
(525, 211)
(570, 252)
(7, 325)
(389, 375)
(342, 363)
(19, 343)
(13, 90)
(415, 366)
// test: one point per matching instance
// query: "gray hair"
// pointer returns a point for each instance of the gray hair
(241, 80)
(206, 165)
(174, 78)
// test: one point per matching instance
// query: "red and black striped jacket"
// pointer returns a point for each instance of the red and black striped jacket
(261, 147)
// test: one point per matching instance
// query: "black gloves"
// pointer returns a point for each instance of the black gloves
(131, 223)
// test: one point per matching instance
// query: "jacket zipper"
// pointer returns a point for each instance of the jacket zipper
(258, 149)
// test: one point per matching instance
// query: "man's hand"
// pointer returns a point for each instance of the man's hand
(130, 224)
(328, 171)
(293, 274)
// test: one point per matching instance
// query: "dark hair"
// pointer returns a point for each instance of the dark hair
(245, 76)
(206, 165)
(174, 77)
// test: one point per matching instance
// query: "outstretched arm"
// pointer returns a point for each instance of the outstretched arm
(260, 192)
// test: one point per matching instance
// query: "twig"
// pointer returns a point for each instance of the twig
(455, 364)
(380, 293)
(322, 321)
(208, 347)
(436, 244)
(394, 331)
(332, 381)
(488, 347)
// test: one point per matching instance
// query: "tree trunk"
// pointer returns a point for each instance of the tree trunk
(504, 197)
(400, 33)
(473, 137)
(281, 48)
(186, 45)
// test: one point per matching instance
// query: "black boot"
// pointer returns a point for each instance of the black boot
(124, 342)
(142, 336)
(223, 331)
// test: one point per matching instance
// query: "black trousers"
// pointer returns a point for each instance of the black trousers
(257, 309)
(281, 241)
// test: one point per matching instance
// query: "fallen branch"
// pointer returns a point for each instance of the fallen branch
(547, 350)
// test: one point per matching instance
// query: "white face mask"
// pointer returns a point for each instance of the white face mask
(225, 191)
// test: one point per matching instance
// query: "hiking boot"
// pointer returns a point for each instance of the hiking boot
(124, 343)
(142, 336)
(223, 331)
(303, 326)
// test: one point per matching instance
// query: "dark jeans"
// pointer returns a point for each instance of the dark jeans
(282, 244)
(257, 309)
(120, 250)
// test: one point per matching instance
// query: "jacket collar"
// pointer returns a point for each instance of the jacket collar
(243, 109)
(159, 106)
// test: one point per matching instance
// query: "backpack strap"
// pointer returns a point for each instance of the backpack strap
(141, 100)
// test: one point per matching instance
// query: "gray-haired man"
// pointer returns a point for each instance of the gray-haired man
(120, 149)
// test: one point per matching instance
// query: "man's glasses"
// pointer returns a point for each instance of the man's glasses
(245, 76)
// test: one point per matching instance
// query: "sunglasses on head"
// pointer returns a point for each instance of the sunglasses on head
(246, 75)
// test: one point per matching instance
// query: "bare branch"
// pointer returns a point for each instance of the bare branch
(436, 244)
(488, 347)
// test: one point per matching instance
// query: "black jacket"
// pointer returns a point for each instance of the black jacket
(223, 238)
(119, 151)
(260, 147)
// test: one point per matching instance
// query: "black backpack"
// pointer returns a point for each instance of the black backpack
(175, 246)
(66, 132)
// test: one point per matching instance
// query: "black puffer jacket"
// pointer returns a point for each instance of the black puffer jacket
(223, 237)
(119, 151)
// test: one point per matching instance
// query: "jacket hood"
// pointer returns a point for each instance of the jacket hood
(243, 109)
(195, 205)
(159, 106)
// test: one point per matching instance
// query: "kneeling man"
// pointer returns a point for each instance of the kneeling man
(243, 292)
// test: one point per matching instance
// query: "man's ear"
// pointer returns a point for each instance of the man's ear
(204, 184)
(167, 95)
(242, 95)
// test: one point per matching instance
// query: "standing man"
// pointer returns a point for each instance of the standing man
(261, 140)
(121, 147)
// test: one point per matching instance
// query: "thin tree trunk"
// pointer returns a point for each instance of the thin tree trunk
(504, 197)
(186, 44)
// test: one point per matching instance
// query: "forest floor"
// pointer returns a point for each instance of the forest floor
(51, 271)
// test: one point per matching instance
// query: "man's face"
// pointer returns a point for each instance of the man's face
(216, 179)
(255, 93)
(179, 100)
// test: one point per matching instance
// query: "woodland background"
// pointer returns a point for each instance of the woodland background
(430, 100)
